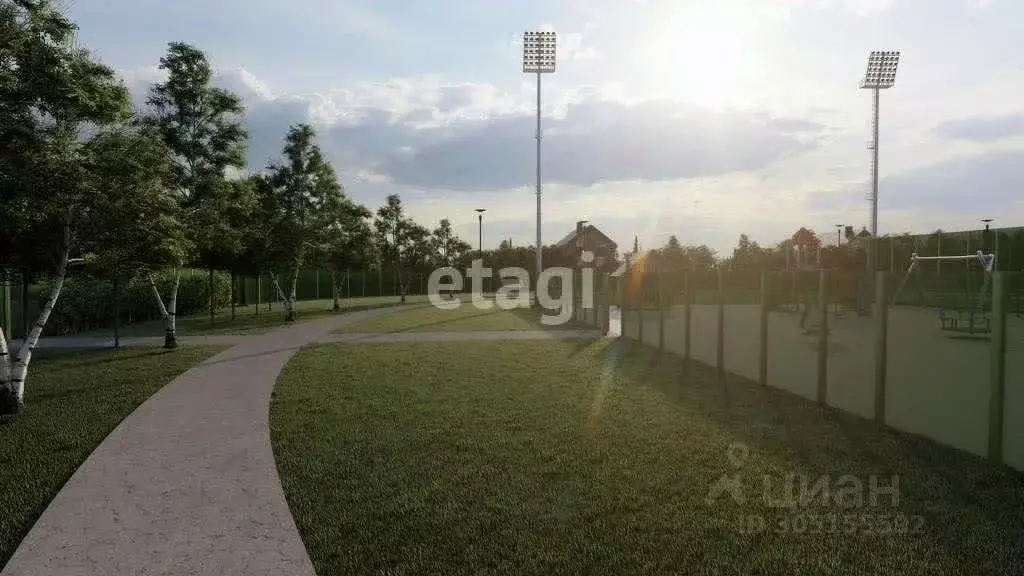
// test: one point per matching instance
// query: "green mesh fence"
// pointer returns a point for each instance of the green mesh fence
(741, 286)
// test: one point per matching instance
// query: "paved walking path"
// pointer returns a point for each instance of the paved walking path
(139, 341)
(187, 485)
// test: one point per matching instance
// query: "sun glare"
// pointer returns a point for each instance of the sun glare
(701, 52)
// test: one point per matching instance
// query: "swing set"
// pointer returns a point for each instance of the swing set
(972, 318)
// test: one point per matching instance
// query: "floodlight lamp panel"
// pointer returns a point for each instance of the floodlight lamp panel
(881, 69)
(539, 52)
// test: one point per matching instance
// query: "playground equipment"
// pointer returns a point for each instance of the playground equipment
(971, 319)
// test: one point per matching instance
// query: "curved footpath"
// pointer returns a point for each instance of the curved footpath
(187, 485)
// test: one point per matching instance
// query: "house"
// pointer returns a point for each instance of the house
(586, 237)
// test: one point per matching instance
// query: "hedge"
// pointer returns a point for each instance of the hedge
(87, 303)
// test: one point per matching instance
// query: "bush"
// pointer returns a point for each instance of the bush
(87, 303)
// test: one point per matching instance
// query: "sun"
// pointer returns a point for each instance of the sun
(704, 53)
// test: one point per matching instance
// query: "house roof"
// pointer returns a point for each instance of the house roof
(590, 228)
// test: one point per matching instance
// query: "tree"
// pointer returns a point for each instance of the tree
(448, 247)
(133, 223)
(805, 239)
(403, 244)
(306, 200)
(225, 219)
(748, 255)
(348, 243)
(49, 91)
(201, 126)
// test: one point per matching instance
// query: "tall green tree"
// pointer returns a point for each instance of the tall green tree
(50, 89)
(348, 243)
(134, 224)
(404, 245)
(306, 199)
(748, 255)
(201, 125)
(448, 247)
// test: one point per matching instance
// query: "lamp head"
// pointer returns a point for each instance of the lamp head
(539, 52)
(881, 70)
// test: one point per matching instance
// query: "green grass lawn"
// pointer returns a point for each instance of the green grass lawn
(465, 318)
(73, 400)
(248, 321)
(584, 457)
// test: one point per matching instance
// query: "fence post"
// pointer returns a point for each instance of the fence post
(661, 315)
(823, 336)
(997, 371)
(763, 358)
(24, 307)
(6, 314)
(720, 359)
(621, 282)
(881, 344)
(606, 320)
(640, 309)
(688, 316)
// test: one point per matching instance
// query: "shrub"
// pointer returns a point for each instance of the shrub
(87, 302)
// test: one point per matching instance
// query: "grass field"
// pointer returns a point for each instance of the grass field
(584, 457)
(465, 318)
(73, 400)
(248, 321)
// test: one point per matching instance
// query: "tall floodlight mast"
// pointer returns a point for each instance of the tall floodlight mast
(539, 58)
(880, 75)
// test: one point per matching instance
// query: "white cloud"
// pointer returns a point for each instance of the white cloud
(633, 167)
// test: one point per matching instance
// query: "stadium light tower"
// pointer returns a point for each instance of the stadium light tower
(880, 75)
(539, 58)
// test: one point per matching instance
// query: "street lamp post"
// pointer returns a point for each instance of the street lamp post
(995, 249)
(839, 235)
(880, 75)
(480, 219)
(539, 58)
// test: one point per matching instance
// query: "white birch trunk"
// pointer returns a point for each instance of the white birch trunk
(12, 395)
(8, 403)
(168, 313)
(285, 301)
(293, 290)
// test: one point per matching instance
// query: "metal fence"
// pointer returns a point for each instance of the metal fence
(943, 359)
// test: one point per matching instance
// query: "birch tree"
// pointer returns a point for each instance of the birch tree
(305, 198)
(348, 243)
(50, 89)
(134, 224)
(404, 245)
(201, 125)
(448, 247)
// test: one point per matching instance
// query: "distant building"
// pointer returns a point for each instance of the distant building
(587, 237)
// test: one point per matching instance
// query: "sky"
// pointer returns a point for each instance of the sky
(702, 119)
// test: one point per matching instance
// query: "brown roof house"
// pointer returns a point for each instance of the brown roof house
(587, 237)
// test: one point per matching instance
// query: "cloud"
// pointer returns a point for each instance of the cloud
(977, 185)
(601, 140)
(983, 129)
(421, 132)
(972, 186)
